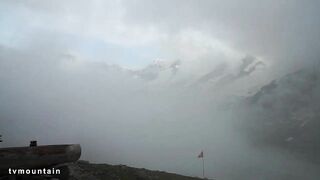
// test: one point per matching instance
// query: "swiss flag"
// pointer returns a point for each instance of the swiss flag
(200, 155)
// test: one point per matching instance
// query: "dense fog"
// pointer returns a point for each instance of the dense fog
(151, 84)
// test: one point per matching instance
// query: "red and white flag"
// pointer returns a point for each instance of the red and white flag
(200, 155)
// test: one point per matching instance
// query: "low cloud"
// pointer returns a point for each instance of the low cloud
(62, 80)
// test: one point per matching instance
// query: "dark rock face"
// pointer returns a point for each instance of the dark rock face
(286, 114)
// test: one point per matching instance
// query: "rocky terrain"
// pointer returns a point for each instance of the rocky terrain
(83, 170)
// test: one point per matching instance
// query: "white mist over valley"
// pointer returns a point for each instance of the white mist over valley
(152, 84)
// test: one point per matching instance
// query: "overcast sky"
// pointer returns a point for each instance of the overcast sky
(135, 33)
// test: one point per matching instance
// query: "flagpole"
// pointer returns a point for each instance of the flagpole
(201, 155)
(203, 167)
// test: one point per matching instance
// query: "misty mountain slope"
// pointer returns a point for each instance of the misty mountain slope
(286, 114)
(220, 76)
(154, 70)
(119, 118)
(203, 74)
